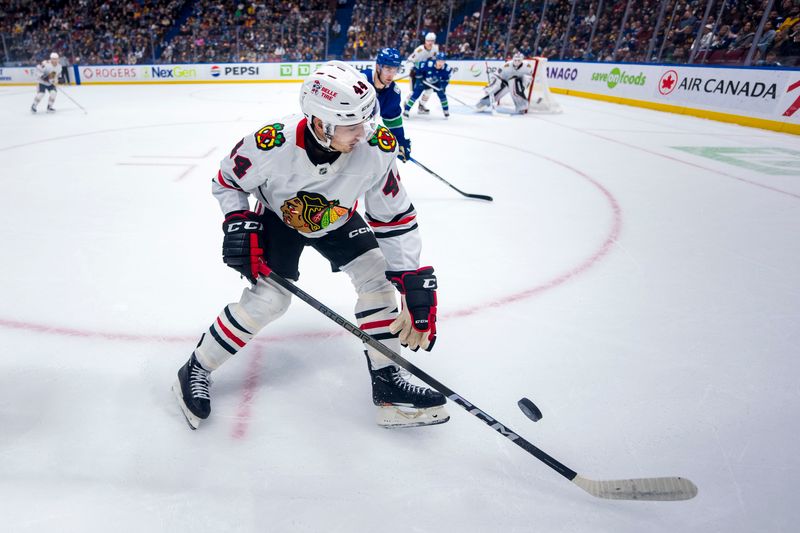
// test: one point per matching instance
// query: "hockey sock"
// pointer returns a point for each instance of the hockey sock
(37, 99)
(374, 313)
(239, 322)
(51, 98)
(226, 336)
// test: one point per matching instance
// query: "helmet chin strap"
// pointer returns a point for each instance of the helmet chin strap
(327, 129)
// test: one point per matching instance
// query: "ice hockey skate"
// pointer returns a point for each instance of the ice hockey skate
(33, 108)
(422, 110)
(191, 389)
(402, 404)
(51, 109)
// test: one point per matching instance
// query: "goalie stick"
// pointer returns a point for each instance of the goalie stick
(653, 489)
(435, 175)
(462, 102)
(491, 96)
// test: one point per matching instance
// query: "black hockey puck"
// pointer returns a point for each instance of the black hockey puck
(529, 409)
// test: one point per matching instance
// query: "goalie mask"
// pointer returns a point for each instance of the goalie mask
(517, 59)
(339, 95)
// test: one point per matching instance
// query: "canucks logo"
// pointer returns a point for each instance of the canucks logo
(269, 137)
(309, 212)
(383, 139)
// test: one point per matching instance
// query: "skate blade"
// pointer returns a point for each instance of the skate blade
(393, 416)
(191, 419)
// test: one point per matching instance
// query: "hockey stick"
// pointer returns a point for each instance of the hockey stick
(435, 175)
(462, 102)
(74, 102)
(491, 96)
(654, 489)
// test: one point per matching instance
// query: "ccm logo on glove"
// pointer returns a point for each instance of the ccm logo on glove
(248, 225)
(243, 245)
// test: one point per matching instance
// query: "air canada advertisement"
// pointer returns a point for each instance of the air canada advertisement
(755, 92)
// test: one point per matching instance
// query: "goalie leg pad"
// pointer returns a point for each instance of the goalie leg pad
(520, 102)
(519, 87)
(504, 90)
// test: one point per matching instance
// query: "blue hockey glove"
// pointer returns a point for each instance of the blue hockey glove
(404, 152)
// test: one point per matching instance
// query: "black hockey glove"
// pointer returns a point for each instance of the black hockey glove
(404, 152)
(243, 246)
(416, 324)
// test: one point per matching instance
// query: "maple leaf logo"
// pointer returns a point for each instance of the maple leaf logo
(668, 82)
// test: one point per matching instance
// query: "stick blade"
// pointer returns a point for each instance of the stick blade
(479, 197)
(652, 489)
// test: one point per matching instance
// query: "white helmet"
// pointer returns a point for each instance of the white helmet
(54, 56)
(518, 58)
(430, 36)
(339, 95)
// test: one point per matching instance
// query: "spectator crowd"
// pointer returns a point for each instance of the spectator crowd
(87, 31)
(185, 31)
(256, 32)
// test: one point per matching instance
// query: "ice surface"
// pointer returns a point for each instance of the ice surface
(644, 297)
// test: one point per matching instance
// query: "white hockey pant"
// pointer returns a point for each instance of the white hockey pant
(265, 302)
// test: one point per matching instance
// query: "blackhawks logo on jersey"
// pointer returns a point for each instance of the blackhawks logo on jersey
(383, 139)
(309, 212)
(269, 137)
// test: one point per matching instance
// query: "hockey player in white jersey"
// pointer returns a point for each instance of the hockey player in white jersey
(48, 73)
(514, 76)
(307, 174)
(428, 50)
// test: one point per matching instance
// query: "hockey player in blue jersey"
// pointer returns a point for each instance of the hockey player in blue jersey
(386, 66)
(431, 75)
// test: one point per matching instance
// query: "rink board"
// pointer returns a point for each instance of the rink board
(756, 97)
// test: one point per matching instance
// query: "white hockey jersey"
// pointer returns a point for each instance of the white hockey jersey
(272, 165)
(48, 73)
(508, 71)
(420, 55)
